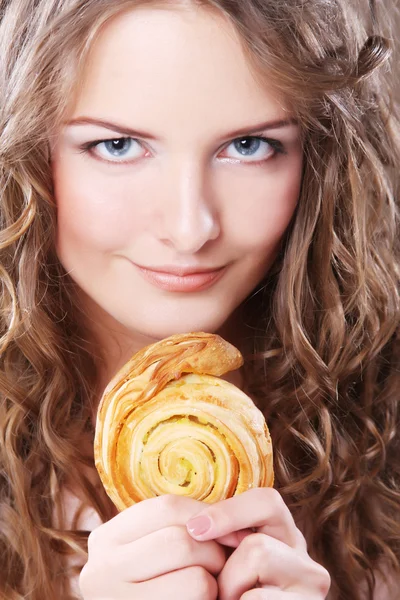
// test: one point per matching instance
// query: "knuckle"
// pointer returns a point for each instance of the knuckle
(275, 500)
(170, 503)
(270, 500)
(325, 580)
(255, 547)
(203, 584)
(318, 576)
(301, 540)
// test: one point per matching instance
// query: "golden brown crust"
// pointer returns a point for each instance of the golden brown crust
(167, 424)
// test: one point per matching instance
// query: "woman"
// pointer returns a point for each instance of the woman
(218, 166)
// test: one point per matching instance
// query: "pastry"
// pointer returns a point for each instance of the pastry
(167, 424)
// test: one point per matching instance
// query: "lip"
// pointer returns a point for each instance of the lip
(181, 279)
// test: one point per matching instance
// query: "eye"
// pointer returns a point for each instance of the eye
(253, 149)
(117, 150)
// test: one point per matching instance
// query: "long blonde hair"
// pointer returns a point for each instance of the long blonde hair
(325, 321)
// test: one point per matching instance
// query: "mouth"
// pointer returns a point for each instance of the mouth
(181, 279)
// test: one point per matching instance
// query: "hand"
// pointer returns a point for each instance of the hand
(270, 563)
(146, 553)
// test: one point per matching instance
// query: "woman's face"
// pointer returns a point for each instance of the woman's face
(170, 205)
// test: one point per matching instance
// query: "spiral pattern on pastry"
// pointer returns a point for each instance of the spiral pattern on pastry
(167, 424)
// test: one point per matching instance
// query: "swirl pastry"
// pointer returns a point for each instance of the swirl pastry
(167, 424)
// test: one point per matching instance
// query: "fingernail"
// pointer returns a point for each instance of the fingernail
(199, 525)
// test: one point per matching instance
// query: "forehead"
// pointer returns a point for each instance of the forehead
(184, 64)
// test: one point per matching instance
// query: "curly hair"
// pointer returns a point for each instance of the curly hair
(323, 324)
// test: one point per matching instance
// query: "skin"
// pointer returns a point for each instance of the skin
(189, 197)
(186, 196)
(148, 552)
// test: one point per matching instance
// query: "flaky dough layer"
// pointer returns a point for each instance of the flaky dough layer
(167, 424)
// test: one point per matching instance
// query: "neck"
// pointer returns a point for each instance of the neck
(113, 344)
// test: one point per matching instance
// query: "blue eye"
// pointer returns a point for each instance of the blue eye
(247, 146)
(117, 150)
(253, 149)
(118, 147)
(249, 149)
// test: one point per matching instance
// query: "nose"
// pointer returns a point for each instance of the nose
(189, 218)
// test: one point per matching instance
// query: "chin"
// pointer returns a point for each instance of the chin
(160, 328)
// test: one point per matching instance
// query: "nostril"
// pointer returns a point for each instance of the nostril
(190, 236)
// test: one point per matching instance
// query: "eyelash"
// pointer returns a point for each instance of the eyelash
(276, 145)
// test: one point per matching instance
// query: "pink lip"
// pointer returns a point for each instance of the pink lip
(179, 279)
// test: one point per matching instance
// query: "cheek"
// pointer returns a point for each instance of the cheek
(261, 207)
(94, 211)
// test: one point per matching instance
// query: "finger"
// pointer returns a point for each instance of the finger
(272, 594)
(262, 560)
(154, 555)
(193, 583)
(143, 518)
(233, 539)
(92, 587)
(164, 551)
(263, 508)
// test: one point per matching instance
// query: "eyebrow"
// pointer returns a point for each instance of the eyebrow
(134, 133)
